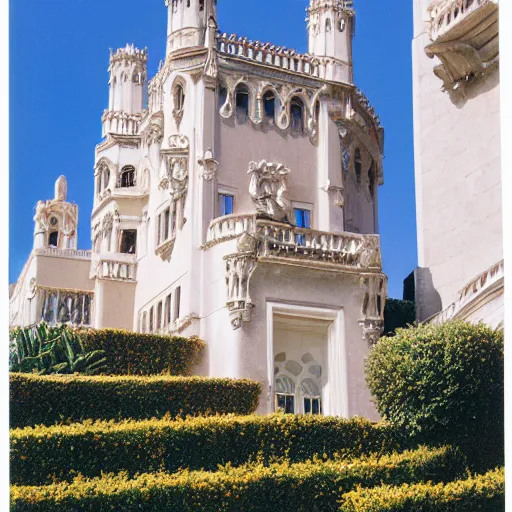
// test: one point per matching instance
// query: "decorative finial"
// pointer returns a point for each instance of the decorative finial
(61, 188)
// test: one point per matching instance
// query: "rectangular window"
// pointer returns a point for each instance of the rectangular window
(285, 403)
(225, 204)
(177, 299)
(159, 315)
(168, 309)
(167, 214)
(144, 321)
(151, 315)
(312, 405)
(128, 241)
(174, 215)
(302, 220)
(158, 229)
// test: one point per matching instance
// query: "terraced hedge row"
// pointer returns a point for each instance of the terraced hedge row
(309, 486)
(49, 400)
(481, 493)
(133, 353)
(38, 454)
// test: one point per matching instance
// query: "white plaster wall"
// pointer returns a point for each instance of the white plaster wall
(243, 353)
(457, 172)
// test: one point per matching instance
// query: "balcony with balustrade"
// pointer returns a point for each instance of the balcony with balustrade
(114, 267)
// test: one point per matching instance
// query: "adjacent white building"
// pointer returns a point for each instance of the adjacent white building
(457, 160)
(239, 203)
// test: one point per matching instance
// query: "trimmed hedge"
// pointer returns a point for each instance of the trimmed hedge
(308, 486)
(48, 400)
(443, 383)
(39, 454)
(484, 493)
(132, 353)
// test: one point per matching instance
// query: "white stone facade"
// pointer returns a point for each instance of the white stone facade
(457, 158)
(240, 204)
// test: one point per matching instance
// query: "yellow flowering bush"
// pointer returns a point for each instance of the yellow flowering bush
(42, 453)
(308, 486)
(480, 493)
(48, 400)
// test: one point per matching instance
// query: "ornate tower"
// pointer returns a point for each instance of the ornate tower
(331, 25)
(128, 80)
(187, 22)
(56, 220)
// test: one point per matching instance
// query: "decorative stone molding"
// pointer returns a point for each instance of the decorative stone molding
(181, 324)
(464, 35)
(229, 227)
(71, 307)
(268, 188)
(372, 308)
(341, 8)
(63, 253)
(474, 294)
(114, 267)
(239, 268)
(154, 131)
(164, 250)
(209, 165)
(121, 123)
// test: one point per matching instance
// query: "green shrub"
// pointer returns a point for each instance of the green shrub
(308, 486)
(49, 350)
(132, 353)
(48, 400)
(398, 313)
(443, 383)
(484, 493)
(196, 443)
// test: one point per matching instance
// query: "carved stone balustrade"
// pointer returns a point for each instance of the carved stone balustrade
(120, 123)
(229, 227)
(114, 266)
(271, 55)
(63, 253)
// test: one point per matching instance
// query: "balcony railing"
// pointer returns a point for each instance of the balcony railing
(120, 123)
(299, 246)
(114, 266)
(447, 14)
(63, 253)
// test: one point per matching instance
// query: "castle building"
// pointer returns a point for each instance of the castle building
(238, 203)
(458, 161)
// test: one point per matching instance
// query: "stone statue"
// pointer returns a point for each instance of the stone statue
(61, 188)
(268, 190)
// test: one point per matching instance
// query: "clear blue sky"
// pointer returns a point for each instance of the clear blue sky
(59, 51)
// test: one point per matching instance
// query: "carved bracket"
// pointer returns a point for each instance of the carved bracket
(372, 308)
(209, 165)
(239, 268)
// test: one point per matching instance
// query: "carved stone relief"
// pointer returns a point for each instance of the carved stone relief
(372, 308)
(209, 165)
(268, 186)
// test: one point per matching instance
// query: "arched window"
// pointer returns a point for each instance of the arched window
(179, 98)
(312, 397)
(328, 25)
(358, 167)
(223, 95)
(371, 180)
(297, 115)
(53, 239)
(242, 102)
(285, 394)
(127, 177)
(105, 177)
(137, 77)
(269, 104)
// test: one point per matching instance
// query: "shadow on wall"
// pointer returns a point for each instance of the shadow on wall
(428, 301)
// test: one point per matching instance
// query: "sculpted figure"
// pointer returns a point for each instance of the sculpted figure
(61, 188)
(268, 190)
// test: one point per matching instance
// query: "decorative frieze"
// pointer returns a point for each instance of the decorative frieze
(120, 123)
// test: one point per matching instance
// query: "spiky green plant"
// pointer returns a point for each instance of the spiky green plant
(48, 350)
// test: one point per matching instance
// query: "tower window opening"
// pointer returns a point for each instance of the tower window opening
(179, 98)
(128, 177)
(242, 103)
(328, 25)
(201, 5)
(128, 241)
(137, 78)
(297, 115)
(223, 96)
(371, 181)
(53, 239)
(269, 105)
(358, 167)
